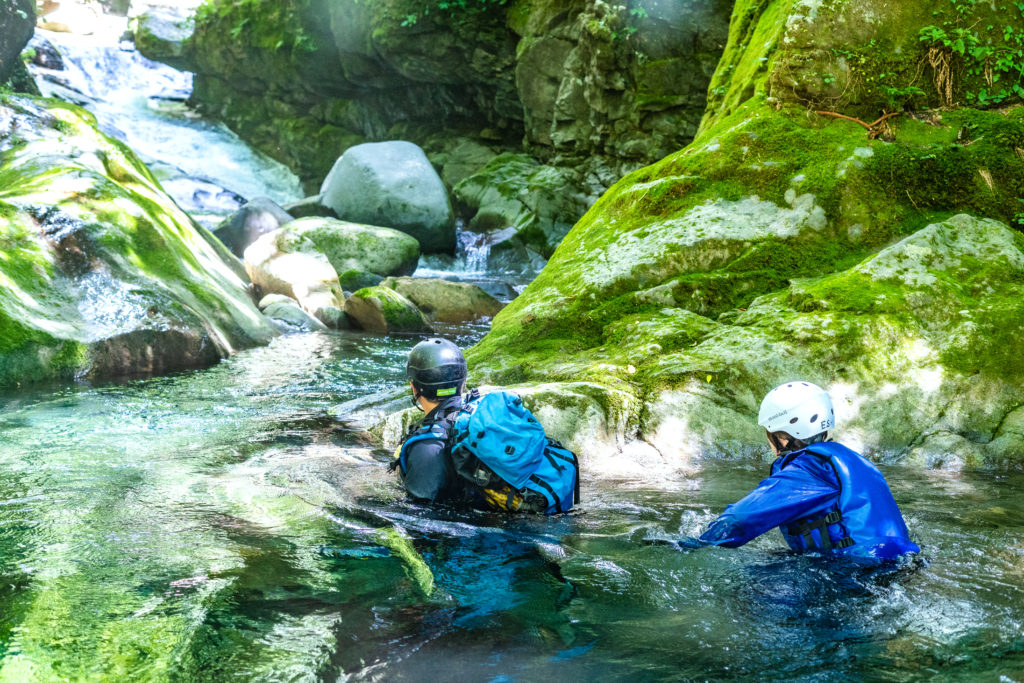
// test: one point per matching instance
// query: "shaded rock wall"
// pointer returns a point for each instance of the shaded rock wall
(568, 80)
(17, 23)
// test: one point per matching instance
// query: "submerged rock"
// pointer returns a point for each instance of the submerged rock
(445, 301)
(102, 274)
(385, 311)
(392, 184)
(255, 219)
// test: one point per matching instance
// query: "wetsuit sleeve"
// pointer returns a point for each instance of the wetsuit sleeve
(783, 497)
(428, 470)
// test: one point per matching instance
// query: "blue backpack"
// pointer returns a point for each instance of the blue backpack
(498, 445)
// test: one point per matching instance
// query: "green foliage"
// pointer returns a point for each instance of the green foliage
(267, 25)
(994, 52)
(457, 11)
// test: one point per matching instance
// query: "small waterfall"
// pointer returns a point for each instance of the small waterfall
(205, 167)
(474, 249)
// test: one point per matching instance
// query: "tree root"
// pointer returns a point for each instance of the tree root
(875, 129)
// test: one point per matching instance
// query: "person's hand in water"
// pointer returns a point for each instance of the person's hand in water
(685, 543)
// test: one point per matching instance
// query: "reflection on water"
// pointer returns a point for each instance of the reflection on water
(221, 525)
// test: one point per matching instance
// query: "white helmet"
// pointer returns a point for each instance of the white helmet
(800, 409)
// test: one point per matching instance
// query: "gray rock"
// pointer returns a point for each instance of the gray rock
(162, 33)
(274, 299)
(293, 317)
(310, 206)
(445, 301)
(255, 219)
(392, 184)
(385, 311)
(350, 246)
(353, 280)
(17, 23)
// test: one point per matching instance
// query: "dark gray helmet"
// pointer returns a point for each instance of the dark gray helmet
(437, 368)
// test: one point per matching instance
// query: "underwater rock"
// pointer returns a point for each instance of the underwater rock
(162, 34)
(103, 275)
(445, 301)
(392, 184)
(17, 23)
(385, 311)
(255, 219)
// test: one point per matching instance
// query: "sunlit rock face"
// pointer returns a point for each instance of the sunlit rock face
(101, 274)
(880, 261)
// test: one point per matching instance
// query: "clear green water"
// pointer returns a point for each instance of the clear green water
(220, 525)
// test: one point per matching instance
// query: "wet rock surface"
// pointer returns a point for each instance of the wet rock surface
(384, 311)
(103, 274)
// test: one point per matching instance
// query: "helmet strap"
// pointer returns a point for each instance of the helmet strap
(416, 398)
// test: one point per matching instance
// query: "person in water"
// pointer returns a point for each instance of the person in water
(823, 496)
(485, 452)
(437, 373)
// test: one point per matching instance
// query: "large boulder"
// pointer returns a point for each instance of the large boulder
(351, 246)
(385, 311)
(162, 34)
(102, 274)
(17, 23)
(256, 218)
(446, 301)
(761, 252)
(283, 263)
(392, 184)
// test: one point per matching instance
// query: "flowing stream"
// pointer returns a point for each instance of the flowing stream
(230, 524)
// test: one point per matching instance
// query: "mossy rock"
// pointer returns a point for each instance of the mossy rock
(354, 279)
(101, 273)
(756, 230)
(353, 246)
(162, 34)
(446, 301)
(17, 23)
(384, 311)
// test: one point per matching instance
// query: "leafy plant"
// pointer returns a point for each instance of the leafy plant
(994, 53)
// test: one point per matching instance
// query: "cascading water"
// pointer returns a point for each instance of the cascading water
(231, 523)
(203, 165)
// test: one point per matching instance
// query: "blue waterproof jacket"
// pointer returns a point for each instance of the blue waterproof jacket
(825, 497)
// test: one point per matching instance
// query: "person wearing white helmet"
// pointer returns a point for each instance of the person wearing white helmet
(823, 496)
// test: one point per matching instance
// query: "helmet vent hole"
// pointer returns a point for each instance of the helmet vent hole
(814, 418)
(793, 421)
